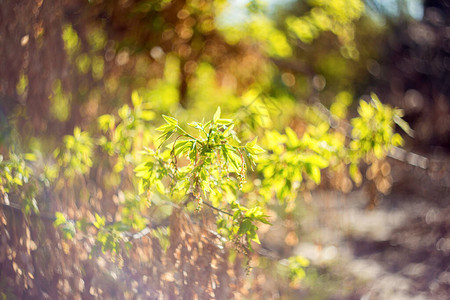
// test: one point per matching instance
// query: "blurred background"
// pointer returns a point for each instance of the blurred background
(268, 65)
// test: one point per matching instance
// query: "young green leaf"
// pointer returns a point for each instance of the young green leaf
(170, 120)
(217, 115)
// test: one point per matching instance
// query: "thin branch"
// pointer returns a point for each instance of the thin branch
(396, 153)
(185, 133)
(17, 209)
(216, 208)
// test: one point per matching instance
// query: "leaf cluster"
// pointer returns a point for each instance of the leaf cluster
(373, 129)
(207, 167)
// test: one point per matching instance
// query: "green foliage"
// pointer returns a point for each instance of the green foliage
(17, 178)
(67, 227)
(60, 102)
(294, 163)
(337, 17)
(212, 155)
(122, 175)
(241, 228)
(293, 160)
(205, 164)
(373, 129)
(206, 168)
(71, 40)
(110, 238)
(121, 138)
(75, 157)
(296, 265)
(213, 172)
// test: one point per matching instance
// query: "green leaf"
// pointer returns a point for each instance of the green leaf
(224, 121)
(253, 148)
(355, 174)
(256, 239)
(30, 156)
(141, 188)
(292, 136)
(228, 131)
(217, 115)
(378, 151)
(60, 219)
(252, 143)
(182, 146)
(245, 226)
(147, 115)
(160, 187)
(170, 120)
(68, 230)
(166, 128)
(124, 112)
(165, 137)
(313, 159)
(196, 125)
(193, 152)
(99, 221)
(234, 159)
(136, 99)
(118, 166)
(224, 152)
(397, 140)
(77, 131)
(313, 172)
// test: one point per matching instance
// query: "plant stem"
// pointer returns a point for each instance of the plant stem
(218, 209)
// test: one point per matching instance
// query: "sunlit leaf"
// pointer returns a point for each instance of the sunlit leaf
(217, 115)
(170, 120)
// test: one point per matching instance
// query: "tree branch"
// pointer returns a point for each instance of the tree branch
(218, 209)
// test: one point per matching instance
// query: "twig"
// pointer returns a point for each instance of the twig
(396, 153)
(216, 208)
(13, 207)
(17, 209)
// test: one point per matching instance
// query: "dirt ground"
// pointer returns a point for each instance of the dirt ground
(398, 250)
